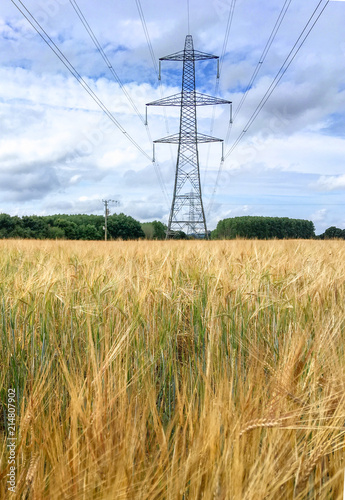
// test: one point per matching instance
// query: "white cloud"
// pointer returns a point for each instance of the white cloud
(330, 183)
(319, 215)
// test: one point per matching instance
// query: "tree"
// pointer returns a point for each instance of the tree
(7, 224)
(69, 228)
(159, 230)
(124, 227)
(35, 226)
(333, 232)
(55, 233)
(88, 232)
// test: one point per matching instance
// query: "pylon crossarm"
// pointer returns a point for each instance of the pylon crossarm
(172, 139)
(187, 139)
(208, 100)
(186, 222)
(189, 99)
(207, 138)
(193, 55)
(173, 100)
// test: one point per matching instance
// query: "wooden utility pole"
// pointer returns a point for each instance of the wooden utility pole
(106, 214)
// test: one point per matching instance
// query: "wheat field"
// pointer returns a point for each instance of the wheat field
(174, 370)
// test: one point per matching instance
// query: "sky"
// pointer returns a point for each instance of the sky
(60, 153)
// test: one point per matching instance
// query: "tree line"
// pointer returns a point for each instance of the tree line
(70, 227)
(121, 226)
(263, 228)
(332, 233)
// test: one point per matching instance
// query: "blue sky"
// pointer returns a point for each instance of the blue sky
(59, 153)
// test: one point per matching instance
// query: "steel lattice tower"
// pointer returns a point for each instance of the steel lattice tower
(187, 211)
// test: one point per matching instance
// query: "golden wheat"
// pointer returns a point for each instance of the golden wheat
(174, 370)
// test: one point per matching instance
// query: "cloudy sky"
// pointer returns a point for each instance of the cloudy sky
(59, 152)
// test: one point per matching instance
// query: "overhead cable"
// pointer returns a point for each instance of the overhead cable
(264, 53)
(156, 69)
(284, 67)
(46, 38)
(262, 58)
(282, 70)
(216, 90)
(227, 33)
(100, 49)
(104, 56)
(142, 17)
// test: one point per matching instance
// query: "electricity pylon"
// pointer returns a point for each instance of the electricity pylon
(187, 211)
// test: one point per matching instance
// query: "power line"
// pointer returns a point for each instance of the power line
(219, 73)
(262, 58)
(157, 71)
(282, 70)
(104, 56)
(269, 42)
(46, 38)
(117, 78)
(227, 33)
(147, 36)
(264, 53)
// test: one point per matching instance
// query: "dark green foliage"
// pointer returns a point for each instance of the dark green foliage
(69, 227)
(10, 225)
(124, 227)
(263, 228)
(159, 230)
(333, 232)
